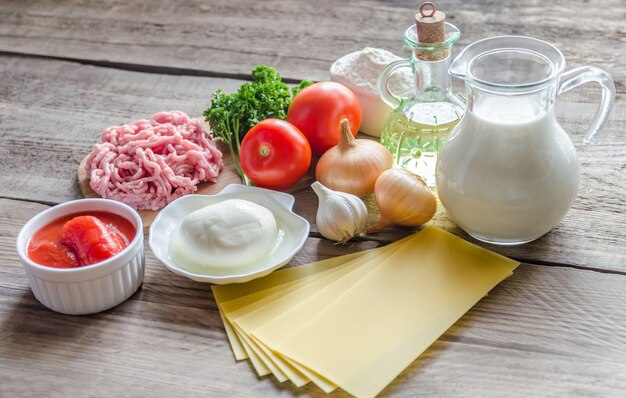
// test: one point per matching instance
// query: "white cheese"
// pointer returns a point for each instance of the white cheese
(224, 236)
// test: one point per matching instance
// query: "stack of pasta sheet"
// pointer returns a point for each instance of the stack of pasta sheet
(357, 321)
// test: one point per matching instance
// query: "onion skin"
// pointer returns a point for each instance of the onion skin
(353, 166)
(404, 199)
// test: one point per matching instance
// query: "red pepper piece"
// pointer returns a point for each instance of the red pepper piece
(91, 240)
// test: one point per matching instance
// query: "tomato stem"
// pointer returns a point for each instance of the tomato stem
(264, 151)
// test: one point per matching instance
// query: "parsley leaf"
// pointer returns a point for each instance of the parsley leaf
(231, 116)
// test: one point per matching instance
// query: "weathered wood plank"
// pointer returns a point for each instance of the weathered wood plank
(562, 328)
(584, 238)
(300, 38)
(52, 112)
(546, 331)
(51, 123)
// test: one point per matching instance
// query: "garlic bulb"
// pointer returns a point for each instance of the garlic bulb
(340, 216)
(404, 199)
(353, 165)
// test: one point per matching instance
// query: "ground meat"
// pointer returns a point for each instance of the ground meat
(149, 163)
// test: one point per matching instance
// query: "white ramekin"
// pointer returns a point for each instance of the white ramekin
(89, 289)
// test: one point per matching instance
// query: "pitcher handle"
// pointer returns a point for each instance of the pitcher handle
(585, 74)
(383, 82)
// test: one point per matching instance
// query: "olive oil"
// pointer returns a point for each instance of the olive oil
(416, 131)
(421, 121)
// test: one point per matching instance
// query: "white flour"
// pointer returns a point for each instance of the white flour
(361, 69)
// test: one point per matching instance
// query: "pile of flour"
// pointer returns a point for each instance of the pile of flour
(361, 69)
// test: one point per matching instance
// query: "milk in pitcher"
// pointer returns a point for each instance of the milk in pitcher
(508, 173)
(516, 171)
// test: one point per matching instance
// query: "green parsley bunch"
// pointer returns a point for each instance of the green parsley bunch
(231, 116)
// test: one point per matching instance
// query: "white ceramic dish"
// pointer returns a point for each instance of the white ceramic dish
(294, 227)
(92, 288)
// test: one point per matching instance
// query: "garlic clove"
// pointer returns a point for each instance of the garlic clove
(340, 216)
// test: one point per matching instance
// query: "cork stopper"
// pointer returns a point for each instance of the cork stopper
(430, 24)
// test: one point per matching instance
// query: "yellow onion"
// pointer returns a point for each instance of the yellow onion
(353, 165)
(404, 199)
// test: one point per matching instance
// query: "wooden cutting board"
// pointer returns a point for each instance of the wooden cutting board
(227, 176)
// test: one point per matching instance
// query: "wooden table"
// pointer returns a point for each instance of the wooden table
(69, 69)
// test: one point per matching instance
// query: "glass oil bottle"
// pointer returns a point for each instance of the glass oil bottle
(422, 121)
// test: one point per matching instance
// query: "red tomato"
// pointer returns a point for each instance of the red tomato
(91, 240)
(80, 239)
(274, 154)
(317, 111)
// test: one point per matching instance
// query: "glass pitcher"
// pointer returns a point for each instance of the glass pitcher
(509, 173)
(424, 117)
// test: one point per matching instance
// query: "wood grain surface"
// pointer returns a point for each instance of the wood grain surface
(229, 38)
(69, 69)
(563, 326)
(74, 109)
